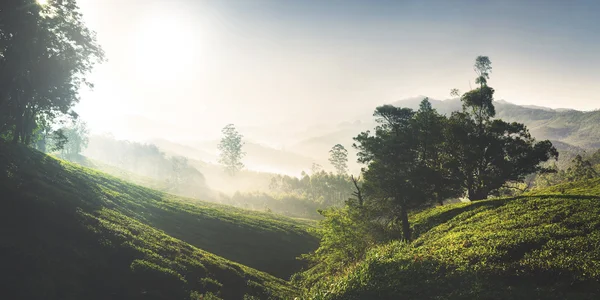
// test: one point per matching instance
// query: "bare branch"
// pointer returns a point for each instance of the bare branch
(358, 192)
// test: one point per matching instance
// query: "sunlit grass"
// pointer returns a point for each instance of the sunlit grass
(523, 248)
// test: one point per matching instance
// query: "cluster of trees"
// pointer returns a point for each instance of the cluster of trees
(67, 141)
(288, 195)
(581, 167)
(147, 160)
(415, 159)
(326, 189)
(300, 196)
(45, 53)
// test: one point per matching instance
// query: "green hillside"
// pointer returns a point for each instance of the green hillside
(523, 248)
(590, 187)
(69, 232)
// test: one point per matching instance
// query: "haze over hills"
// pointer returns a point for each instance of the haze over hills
(568, 129)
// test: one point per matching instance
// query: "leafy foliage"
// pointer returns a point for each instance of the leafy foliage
(526, 248)
(407, 169)
(325, 189)
(76, 140)
(45, 53)
(346, 235)
(491, 152)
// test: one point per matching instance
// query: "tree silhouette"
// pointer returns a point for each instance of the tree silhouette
(231, 150)
(491, 152)
(338, 157)
(45, 54)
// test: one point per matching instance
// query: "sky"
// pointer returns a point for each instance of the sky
(183, 69)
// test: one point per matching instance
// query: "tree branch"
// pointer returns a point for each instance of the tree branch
(358, 192)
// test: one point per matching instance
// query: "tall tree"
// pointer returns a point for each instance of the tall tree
(46, 51)
(400, 169)
(231, 150)
(338, 157)
(491, 152)
(432, 152)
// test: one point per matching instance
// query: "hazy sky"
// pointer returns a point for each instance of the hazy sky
(186, 68)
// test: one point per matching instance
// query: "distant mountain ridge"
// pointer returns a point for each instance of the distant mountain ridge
(572, 128)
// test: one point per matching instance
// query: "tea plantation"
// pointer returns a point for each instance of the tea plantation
(536, 247)
(67, 232)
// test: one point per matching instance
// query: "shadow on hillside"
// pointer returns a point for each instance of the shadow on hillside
(31, 181)
(32, 174)
(58, 238)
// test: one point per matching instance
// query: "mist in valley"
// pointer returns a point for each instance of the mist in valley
(279, 149)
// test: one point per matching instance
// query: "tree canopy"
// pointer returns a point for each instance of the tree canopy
(491, 152)
(46, 51)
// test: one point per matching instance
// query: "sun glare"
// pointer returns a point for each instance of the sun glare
(42, 2)
(165, 47)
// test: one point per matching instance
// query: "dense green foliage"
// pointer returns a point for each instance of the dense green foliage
(491, 152)
(71, 233)
(525, 248)
(406, 169)
(45, 53)
(418, 158)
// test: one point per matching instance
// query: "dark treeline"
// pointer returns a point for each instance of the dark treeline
(416, 159)
(45, 53)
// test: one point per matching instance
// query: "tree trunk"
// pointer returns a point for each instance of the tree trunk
(405, 225)
(18, 128)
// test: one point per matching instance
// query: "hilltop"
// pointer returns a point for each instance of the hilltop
(69, 232)
(534, 247)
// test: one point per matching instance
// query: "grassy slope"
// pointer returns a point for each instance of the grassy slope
(121, 173)
(68, 232)
(267, 242)
(581, 189)
(525, 248)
